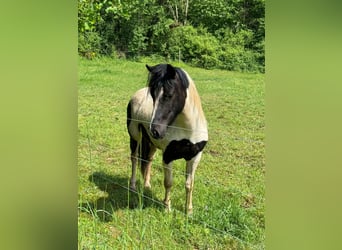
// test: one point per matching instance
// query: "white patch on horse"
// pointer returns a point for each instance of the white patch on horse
(155, 106)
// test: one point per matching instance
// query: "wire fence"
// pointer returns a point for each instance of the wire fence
(169, 126)
(159, 167)
(205, 224)
(200, 131)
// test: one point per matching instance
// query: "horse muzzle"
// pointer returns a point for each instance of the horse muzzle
(158, 131)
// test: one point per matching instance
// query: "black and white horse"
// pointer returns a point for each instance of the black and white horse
(167, 115)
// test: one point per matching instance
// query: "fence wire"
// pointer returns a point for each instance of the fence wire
(175, 172)
(200, 131)
(160, 167)
(177, 211)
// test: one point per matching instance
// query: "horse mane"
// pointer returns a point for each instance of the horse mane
(195, 99)
(164, 74)
(182, 77)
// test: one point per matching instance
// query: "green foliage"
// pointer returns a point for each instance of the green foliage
(211, 14)
(210, 34)
(235, 51)
(226, 50)
(89, 44)
(88, 15)
(195, 46)
(238, 59)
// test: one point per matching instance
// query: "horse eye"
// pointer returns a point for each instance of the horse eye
(167, 96)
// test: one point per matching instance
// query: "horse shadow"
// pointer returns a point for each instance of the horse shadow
(118, 197)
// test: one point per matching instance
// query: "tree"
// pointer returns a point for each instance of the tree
(222, 33)
(179, 10)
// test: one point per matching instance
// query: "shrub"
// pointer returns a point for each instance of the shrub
(236, 53)
(195, 46)
(238, 59)
(225, 50)
(89, 44)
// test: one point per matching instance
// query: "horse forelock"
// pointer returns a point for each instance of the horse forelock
(166, 76)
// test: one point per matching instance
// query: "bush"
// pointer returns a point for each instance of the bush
(238, 59)
(236, 53)
(89, 44)
(226, 50)
(223, 36)
(195, 46)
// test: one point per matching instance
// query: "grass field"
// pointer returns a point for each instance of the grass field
(229, 192)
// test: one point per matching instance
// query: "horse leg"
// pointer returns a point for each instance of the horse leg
(191, 166)
(134, 159)
(146, 166)
(167, 184)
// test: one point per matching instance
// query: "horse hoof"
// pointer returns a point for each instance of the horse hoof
(167, 205)
(147, 186)
(132, 188)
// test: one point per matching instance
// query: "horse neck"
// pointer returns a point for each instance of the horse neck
(192, 116)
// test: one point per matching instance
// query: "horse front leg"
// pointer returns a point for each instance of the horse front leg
(191, 167)
(167, 185)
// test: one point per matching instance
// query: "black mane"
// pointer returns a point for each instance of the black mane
(163, 75)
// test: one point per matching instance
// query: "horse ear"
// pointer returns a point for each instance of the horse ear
(149, 68)
(171, 72)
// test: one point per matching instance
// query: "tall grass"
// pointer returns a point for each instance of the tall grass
(229, 183)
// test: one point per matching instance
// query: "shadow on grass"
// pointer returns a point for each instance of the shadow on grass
(118, 196)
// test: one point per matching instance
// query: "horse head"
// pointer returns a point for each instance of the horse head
(168, 88)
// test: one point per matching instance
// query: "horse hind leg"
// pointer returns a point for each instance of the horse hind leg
(147, 152)
(135, 139)
(147, 168)
(134, 159)
(167, 185)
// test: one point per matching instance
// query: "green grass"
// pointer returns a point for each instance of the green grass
(228, 198)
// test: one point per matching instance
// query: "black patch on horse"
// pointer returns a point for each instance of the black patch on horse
(182, 149)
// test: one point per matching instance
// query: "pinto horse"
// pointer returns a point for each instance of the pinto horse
(167, 115)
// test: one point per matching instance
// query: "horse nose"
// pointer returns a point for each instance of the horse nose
(155, 133)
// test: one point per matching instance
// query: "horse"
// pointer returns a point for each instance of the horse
(167, 115)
